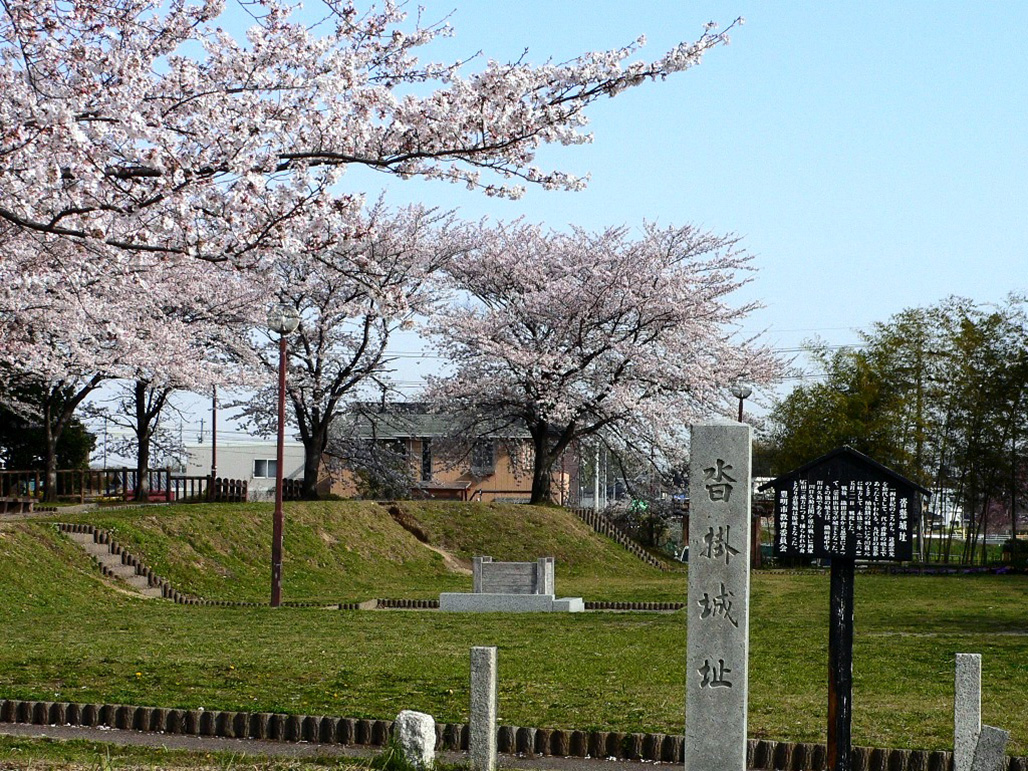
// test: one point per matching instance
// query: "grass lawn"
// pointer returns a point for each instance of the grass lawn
(66, 635)
(78, 755)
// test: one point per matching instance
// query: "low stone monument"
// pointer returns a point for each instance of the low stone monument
(510, 587)
(415, 733)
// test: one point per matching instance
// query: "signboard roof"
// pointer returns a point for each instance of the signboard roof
(844, 464)
(846, 505)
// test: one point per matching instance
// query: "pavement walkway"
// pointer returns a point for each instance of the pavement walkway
(296, 750)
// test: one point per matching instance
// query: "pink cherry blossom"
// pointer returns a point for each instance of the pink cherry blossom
(596, 334)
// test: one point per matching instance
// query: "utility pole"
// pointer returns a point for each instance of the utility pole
(214, 433)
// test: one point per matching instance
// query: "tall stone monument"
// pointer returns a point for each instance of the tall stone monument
(717, 654)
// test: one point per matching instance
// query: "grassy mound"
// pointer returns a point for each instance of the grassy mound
(356, 550)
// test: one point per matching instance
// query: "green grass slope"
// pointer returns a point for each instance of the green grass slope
(587, 565)
(333, 552)
(354, 550)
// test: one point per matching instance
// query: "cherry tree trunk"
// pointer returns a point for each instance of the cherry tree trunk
(50, 490)
(50, 465)
(313, 451)
(143, 470)
(143, 431)
(541, 471)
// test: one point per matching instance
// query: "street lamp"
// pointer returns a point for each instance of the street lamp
(741, 391)
(283, 319)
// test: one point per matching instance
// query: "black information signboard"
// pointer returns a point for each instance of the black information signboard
(845, 505)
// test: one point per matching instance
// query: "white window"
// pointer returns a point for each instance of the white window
(264, 469)
(483, 457)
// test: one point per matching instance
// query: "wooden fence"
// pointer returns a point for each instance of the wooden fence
(197, 489)
(88, 485)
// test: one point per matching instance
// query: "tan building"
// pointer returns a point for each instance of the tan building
(497, 466)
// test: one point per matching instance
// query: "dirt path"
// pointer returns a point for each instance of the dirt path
(412, 526)
(452, 563)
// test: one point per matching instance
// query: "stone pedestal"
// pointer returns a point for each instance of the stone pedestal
(458, 602)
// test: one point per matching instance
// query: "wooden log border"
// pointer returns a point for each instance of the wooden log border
(531, 742)
(168, 592)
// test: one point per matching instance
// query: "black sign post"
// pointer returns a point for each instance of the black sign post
(840, 664)
(844, 507)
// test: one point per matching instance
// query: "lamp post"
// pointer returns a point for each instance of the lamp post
(283, 319)
(741, 392)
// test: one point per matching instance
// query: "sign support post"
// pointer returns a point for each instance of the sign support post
(840, 664)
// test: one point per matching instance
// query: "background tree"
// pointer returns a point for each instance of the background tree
(937, 393)
(579, 334)
(23, 441)
(852, 405)
(149, 318)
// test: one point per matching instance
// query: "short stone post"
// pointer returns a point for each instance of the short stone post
(967, 709)
(717, 651)
(482, 736)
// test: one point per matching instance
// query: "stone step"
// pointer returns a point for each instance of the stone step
(114, 565)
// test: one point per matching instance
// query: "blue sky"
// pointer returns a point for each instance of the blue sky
(871, 155)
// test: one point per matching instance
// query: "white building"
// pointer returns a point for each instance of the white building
(252, 462)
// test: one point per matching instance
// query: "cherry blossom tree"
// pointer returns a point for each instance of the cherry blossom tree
(138, 135)
(152, 318)
(131, 125)
(601, 334)
(351, 299)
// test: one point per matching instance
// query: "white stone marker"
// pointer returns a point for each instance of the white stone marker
(415, 733)
(482, 732)
(967, 709)
(717, 673)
